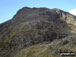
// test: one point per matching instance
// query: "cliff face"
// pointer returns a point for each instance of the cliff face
(32, 26)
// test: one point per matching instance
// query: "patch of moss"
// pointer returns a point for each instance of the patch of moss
(5, 41)
(12, 34)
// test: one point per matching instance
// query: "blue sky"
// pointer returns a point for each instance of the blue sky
(8, 8)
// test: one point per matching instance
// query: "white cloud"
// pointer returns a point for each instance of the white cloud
(73, 11)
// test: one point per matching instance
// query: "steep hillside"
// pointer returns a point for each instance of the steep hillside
(33, 26)
(53, 49)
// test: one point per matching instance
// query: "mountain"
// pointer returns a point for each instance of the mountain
(38, 32)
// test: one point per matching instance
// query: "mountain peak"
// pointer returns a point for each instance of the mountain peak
(26, 10)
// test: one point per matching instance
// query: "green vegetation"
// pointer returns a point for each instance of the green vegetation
(6, 40)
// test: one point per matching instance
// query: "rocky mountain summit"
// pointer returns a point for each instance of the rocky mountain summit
(38, 32)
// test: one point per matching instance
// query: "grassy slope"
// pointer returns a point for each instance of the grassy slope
(49, 49)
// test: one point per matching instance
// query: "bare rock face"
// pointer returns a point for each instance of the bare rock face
(32, 26)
